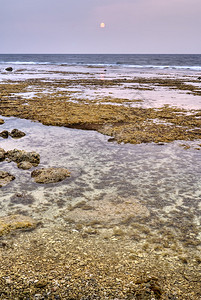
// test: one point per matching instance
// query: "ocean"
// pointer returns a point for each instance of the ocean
(158, 61)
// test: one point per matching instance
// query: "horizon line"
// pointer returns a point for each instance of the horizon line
(43, 53)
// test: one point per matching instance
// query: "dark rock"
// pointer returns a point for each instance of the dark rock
(2, 154)
(19, 156)
(15, 133)
(199, 78)
(9, 69)
(50, 175)
(1, 121)
(5, 178)
(111, 140)
(4, 134)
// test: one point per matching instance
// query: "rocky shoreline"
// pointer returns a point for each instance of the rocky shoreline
(96, 253)
(65, 265)
(27, 160)
(124, 123)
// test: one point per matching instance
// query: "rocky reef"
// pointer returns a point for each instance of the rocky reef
(100, 250)
(2, 154)
(20, 156)
(25, 160)
(15, 133)
(4, 134)
(14, 222)
(123, 123)
(25, 165)
(5, 178)
(50, 175)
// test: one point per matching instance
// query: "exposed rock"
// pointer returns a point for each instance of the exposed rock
(1, 121)
(25, 165)
(50, 175)
(111, 209)
(9, 69)
(16, 133)
(13, 222)
(5, 178)
(2, 154)
(124, 123)
(4, 134)
(22, 156)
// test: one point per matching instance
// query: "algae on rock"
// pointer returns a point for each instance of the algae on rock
(5, 178)
(50, 175)
(14, 222)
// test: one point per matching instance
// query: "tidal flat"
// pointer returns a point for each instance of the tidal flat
(126, 223)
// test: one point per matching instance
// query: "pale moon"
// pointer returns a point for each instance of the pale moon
(102, 25)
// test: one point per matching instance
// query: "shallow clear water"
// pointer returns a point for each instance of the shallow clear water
(166, 179)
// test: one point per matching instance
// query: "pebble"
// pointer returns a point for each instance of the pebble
(41, 284)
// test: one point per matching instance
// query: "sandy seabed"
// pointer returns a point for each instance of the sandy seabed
(126, 224)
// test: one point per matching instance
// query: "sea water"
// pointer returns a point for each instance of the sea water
(160, 61)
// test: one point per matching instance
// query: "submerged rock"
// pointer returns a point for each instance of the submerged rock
(19, 156)
(50, 175)
(16, 133)
(4, 134)
(112, 209)
(14, 222)
(5, 178)
(1, 121)
(2, 154)
(22, 198)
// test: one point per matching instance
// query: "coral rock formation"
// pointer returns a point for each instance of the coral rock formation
(50, 175)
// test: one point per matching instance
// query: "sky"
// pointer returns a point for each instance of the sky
(73, 26)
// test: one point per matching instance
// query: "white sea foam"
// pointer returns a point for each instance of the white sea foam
(194, 68)
(23, 63)
(104, 64)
